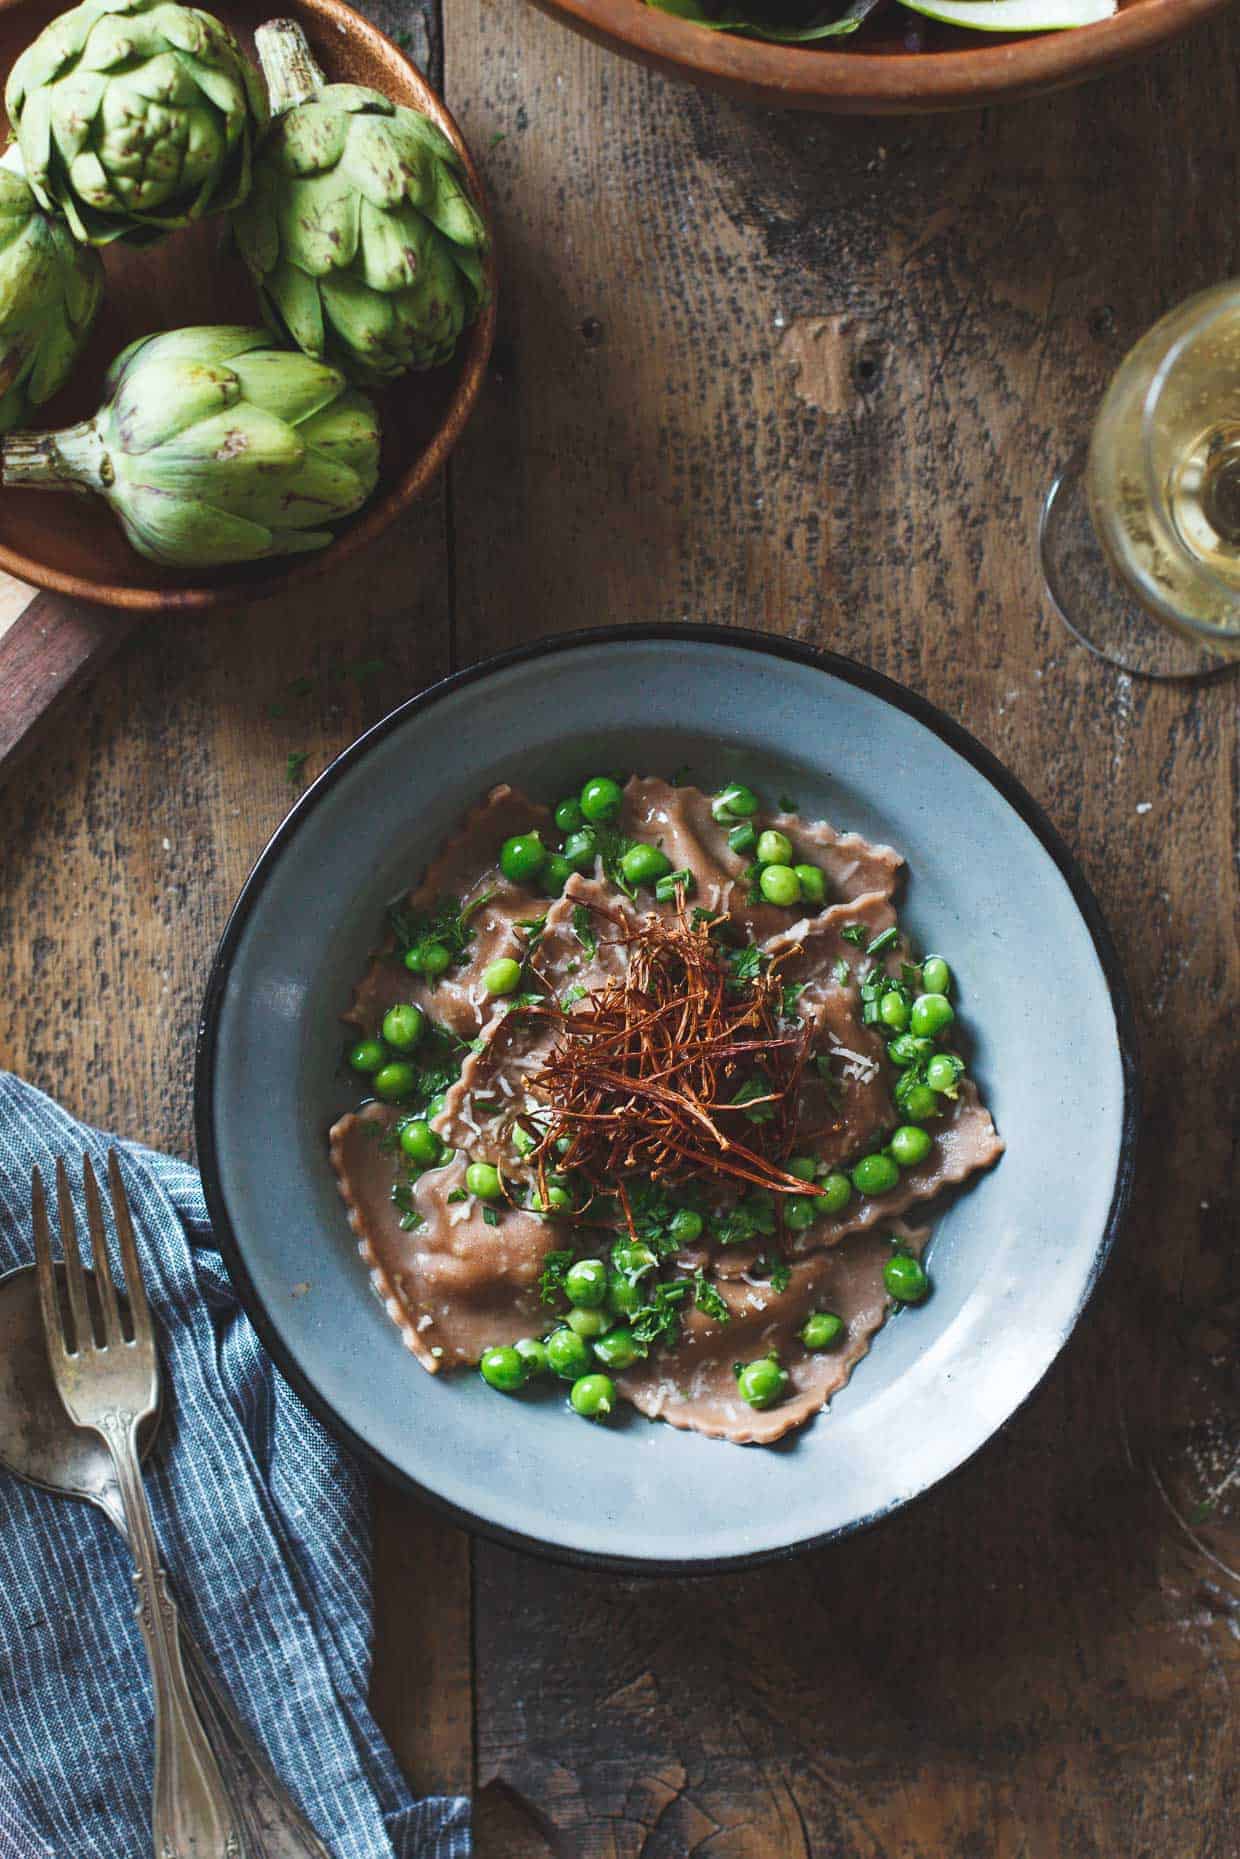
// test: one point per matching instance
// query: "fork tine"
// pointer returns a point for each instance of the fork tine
(140, 1310)
(53, 1323)
(112, 1332)
(83, 1331)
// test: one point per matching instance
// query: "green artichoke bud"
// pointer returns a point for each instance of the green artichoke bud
(212, 446)
(364, 243)
(50, 291)
(135, 117)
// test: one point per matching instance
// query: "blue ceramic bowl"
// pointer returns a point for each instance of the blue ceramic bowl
(1013, 1260)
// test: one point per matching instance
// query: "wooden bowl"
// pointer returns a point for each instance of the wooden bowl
(73, 544)
(878, 75)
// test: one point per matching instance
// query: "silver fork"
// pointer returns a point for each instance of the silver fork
(111, 1386)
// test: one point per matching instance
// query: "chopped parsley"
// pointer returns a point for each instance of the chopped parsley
(551, 1278)
(883, 940)
(583, 929)
(746, 964)
(571, 997)
(458, 1194)
(490, 1217)
(402, 1200)
(708, 1300)
(840, 971)
(363, 669)
(787, 804)
(611, 845)
(295, 762)
(749, 1220)
(658, 1320)
(854, 932)
(774, 1269)
(448, 923)
(755, 1088)
(793, 991)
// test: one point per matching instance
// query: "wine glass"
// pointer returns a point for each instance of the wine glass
(1140, 532)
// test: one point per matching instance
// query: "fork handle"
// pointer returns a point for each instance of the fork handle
(191, 1815)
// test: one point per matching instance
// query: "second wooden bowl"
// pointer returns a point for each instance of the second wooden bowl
(73, 544)
(877, 72)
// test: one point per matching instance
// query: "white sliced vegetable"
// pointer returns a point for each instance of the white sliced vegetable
(1014, 15)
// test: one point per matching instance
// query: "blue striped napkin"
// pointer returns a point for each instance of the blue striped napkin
(265, 1532)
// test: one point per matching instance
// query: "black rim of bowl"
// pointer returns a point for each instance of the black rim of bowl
(851, 672)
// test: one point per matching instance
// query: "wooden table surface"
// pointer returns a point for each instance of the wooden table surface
(810, 376)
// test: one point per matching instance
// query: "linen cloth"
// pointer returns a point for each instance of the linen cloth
(265, 1532)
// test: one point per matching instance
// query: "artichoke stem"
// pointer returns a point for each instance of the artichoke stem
(73, 459)
(288, 64)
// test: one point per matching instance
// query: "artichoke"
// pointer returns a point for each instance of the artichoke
(135, 117)
(50, 291)
(364, 243)
(213, 446)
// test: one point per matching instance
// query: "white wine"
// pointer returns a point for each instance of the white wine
(1203, 496)
(1163, 477)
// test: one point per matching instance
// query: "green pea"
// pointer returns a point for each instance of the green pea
(436, 1106)
(643, 864)
(942, 1073)
(503, 1369)
(586, 1283)
(685, 1226)
(403, 1026)
(617, 1348)
(774, 848)
(368, 1055)
(936, 976)
(875, 1174)
(522, 1141)
(800, 1212)
(482, 1179)
(419, 1142)
(905, 1279)
(743, 838)
(932, 1013)
(910, 1145)
(761, 1383)
(588, 1323)
(919, 1102)
(823, 1330)
(623, 1296)
(813, 884)
(580, 848)
(734, 802)
(893, 1011)
(395, 1081)
(555, 874)
(568, 816)
(502, 977)
(804, 1167)
(428, 958)
(533, 1356)
(567, 1354)
(836, 1192)
(593, 1397)
(522, 857)
(557, 1200)
(779, 884)
(601, 798)
(907, 1049)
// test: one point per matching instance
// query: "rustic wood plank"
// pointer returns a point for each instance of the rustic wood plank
(48, 647)
(813, 376)
(125, 837)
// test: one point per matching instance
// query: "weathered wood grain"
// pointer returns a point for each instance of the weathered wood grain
(48, 646)
(814, 377)
(810, 376)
